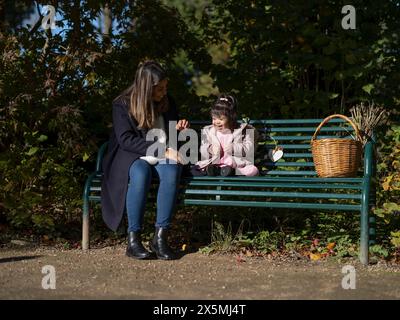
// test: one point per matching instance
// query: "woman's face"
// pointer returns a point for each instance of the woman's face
(160, 90)
(220, 123)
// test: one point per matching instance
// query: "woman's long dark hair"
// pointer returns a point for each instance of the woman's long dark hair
(140, 93)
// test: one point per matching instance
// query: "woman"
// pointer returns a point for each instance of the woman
(143, 106)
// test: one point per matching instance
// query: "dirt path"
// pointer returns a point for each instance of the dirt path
(108, 274)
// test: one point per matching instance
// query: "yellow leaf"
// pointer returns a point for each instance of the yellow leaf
(249, 253)
(386, 183)
(85, 157)
(331, 245)
(183, 247)
(315, 256)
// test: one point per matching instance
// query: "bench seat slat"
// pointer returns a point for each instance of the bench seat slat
(308, 129)
(298, 155)
(294, 121)
(277, 179)
(268, 204)
(290, 146)
(291, 173)
(276, 185)
(241, 193)
(276, 121)
(264, 184)
(301, 138)
(289, 164)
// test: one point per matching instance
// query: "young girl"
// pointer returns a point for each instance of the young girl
(227, 147)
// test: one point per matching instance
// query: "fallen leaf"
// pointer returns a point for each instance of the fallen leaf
(315, 256)
(315, 242)
(239, 259)
(249, 253)
(331, 245)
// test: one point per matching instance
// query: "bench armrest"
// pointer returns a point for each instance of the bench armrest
(369, 157)
(100, 155)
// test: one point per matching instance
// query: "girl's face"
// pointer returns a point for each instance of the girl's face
(160, 90)
(220, 123)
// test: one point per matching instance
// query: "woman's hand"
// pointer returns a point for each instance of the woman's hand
(182, 124)
(173, 155)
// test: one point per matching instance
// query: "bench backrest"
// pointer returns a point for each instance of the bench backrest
(293, 135)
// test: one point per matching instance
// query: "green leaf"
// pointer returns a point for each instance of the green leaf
(42, 138)
(32, 151)
(391, 206)
(379, 212)
(339, 75)
(330, 49)
(328, 63)
(368, 87)
(333, 95)
(368, 65)
(395, 238)
(85, 157)
(350, 58)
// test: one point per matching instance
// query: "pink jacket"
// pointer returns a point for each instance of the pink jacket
(242, 148)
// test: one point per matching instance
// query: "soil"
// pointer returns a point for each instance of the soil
(106, 273)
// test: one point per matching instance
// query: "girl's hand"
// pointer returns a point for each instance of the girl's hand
(215, 150)
(182, 124)
(173, 155)
(229, 149)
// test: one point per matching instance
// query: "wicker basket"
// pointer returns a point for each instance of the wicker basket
(336, 157)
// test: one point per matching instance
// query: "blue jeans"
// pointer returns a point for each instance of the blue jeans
(140, 176)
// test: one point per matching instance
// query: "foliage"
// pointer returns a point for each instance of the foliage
(286, 59)
(56, 89)
(267, 242)
(294, 58)
(388, 186)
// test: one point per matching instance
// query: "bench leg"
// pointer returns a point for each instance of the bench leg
(372, 231)
(372, 220)
(85, 225)
(85, 212)
(364, 237)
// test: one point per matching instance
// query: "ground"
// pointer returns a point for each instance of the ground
(106, 273)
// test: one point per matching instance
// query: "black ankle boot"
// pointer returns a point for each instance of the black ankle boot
(135, 247)
(226, 171)
(160, 247)
(213, 170)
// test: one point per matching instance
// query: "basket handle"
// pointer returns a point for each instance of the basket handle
(336, 116)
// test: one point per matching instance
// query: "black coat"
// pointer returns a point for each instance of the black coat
(127, 143)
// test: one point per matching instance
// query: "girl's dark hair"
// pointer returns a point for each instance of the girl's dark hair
(226, 105)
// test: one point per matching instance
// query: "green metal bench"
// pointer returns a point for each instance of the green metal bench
(289, 183)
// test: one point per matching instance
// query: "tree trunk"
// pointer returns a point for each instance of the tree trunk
(76, 24)
(2, 16)
(106, 24)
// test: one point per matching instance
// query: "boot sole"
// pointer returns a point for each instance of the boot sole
(138, 258)
(152, 250)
